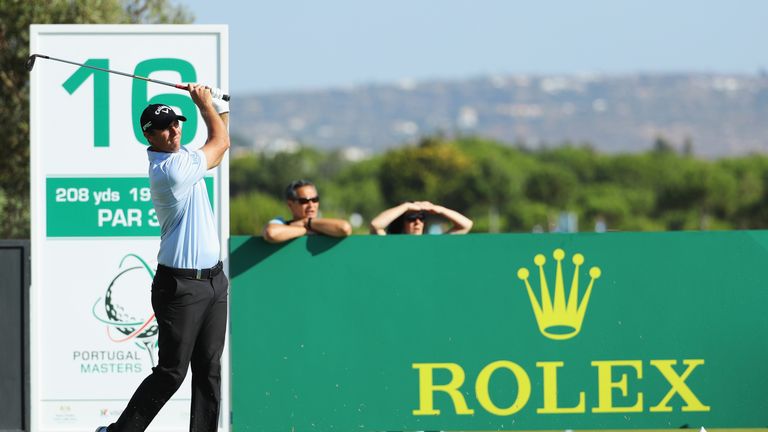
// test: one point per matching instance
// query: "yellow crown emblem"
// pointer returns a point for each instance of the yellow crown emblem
(557, 319)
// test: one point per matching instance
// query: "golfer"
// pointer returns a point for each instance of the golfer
(189, 291)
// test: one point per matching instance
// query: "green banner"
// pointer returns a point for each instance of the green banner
(495, 332)
(102, 207)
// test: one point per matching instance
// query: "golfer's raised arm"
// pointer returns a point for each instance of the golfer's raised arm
(217, 142)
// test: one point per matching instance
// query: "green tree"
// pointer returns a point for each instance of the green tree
(243, 170)
(581, 161)
(662, 145)
(282, 168)
(508, 188)
(15, 18)
(356, 189)
(492, 189)
(431, 171)
(156, 12)
(527, 215)
(552, 185)
(751, 176)
(250, 212)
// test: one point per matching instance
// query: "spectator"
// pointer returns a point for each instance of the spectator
(304, 202)
(408, 218)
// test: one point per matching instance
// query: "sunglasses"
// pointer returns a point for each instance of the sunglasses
(302, 200)
(415, 216)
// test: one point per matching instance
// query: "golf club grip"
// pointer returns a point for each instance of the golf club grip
(224, 97)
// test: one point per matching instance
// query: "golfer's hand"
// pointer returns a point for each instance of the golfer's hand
(220, 104)
(201, 95)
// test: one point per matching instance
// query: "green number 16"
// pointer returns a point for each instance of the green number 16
(139, 96)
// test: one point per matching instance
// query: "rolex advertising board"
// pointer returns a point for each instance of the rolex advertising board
(501, 332)
(95, 235)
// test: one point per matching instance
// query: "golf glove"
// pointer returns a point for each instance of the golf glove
(220, 104)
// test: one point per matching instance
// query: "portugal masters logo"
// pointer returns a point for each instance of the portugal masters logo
(558, 319)
(129, 316)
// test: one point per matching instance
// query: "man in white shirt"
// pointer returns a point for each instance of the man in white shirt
(189, 291)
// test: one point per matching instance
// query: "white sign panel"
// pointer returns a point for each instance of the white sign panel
(95, 235)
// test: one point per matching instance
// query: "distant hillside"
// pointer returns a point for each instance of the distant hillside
(722, 115)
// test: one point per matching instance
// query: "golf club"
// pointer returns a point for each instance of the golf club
(31, 63)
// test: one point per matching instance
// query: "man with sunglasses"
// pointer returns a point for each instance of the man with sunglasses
(304, 202)
(409, 217)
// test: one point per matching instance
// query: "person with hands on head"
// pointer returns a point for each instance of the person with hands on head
(409, 217)
(304, 203)
(189, 289)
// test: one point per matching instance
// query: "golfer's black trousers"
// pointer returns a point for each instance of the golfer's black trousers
(192, 319)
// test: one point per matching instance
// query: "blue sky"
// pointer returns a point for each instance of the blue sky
(284, 45)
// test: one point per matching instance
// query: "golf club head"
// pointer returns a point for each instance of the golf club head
(30, 62)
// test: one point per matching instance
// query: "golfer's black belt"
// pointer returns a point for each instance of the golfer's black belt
(208, 273)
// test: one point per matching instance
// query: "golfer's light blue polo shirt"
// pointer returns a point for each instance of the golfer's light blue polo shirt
(188, 235)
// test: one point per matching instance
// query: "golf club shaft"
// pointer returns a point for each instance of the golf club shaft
(178, 86)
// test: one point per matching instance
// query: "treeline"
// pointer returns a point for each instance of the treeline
(507, 188)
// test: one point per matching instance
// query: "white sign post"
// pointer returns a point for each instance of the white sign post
(95, 235)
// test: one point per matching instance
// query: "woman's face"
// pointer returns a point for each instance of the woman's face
(413, 223)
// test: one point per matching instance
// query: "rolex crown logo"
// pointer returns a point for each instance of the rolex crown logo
(558, 319)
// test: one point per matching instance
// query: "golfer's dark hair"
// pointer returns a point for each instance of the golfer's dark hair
(290, 191)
